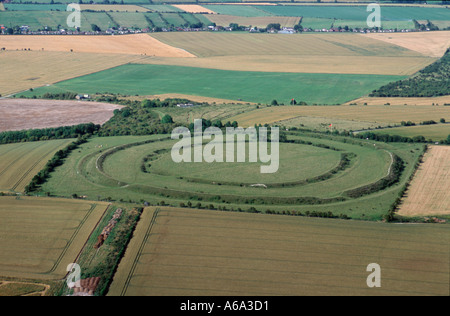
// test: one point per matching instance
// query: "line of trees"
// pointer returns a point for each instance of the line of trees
(56, 161)
(63, 132)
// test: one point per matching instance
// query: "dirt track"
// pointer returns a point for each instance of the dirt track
(429, 192)
(20, 114)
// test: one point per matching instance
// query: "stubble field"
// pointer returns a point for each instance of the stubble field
(428, 193)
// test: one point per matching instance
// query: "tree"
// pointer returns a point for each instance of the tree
(167, 119)
(274, 102)
(442, 120)
(95, 28)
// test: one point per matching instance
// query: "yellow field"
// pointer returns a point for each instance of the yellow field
(429, 192)
(308, 53)
(134, 44)
(2, 7)
(19, 163)
(402, 101)
(379, 114)
(262, 22)
(39, 237)
(22, 70)
(112, 7)
(193, 8)
(254, 254)
(433, 44)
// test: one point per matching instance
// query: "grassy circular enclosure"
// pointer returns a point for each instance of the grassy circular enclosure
(318, 172)
(310, 172)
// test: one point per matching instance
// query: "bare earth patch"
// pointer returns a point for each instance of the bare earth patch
(429, 192)
(22, 114)
(433, 44)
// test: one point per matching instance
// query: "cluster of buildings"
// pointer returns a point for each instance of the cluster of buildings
(25, 30)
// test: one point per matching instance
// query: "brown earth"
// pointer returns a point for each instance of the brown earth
(21, 114)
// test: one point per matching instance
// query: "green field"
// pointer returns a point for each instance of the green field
(304, 182)
(433, 132)
(192, 252)
(358, 13)
(39, 237)
(135, 79)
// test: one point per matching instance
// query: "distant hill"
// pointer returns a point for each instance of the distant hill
(432, 81)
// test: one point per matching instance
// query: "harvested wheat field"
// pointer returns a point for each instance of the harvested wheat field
(135, 44)
(433, 44)
(193, 8)
(402, 101)
(22, 70)
(429, 192)
(23, 114)
(370, 113)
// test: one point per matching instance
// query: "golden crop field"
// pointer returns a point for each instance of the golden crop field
(134, 44)
(432, 44)
(254, 254)
(20, 162)
(429, 192)
(193, 8)
(371, 113)
(402, 101)
(305, 53)
(40, 237)
(22, 70)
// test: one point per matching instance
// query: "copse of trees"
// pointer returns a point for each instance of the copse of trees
(432, 81)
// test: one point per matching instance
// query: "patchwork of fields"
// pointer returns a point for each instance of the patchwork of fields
(336, 204)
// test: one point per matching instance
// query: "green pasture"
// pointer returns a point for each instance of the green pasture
(435, 132)
(260, 87)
